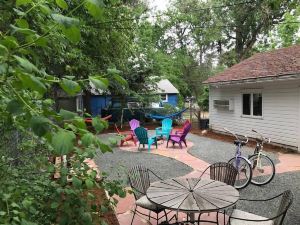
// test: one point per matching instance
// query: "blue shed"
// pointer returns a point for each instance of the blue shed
(100, 100)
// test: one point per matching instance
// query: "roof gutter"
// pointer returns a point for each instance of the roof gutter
(256, 80)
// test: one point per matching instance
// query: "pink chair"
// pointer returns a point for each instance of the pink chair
(134, 124)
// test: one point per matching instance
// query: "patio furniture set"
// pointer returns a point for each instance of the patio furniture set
(197, 196)
(140, 134)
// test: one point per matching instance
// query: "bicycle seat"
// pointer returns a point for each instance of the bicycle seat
(238, 142)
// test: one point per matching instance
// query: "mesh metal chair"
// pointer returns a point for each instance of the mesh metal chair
(239, 217)
(139, 179)
(224, 172)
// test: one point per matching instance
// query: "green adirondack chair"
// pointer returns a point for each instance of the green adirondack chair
(165, 129)
(142, 135)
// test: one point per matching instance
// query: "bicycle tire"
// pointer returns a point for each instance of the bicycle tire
(244, 165)
(255, 170)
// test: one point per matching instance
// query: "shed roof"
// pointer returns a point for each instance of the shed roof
(165, 86)
(280, 62)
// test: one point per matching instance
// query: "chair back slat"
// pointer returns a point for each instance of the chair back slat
(285, 203)
(186, 130)
(139, 180)
(224, 172)
(134, 124)
(166, 124)
(142, 135)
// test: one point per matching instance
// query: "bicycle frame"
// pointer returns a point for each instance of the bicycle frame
(238, 154)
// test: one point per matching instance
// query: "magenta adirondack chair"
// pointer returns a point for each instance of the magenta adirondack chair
(134, 124)
(180, 137)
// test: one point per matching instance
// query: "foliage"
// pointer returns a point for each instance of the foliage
(46, 46)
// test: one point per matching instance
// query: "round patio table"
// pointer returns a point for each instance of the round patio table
(192, 195)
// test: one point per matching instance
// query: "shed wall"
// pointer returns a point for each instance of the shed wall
(280, 108)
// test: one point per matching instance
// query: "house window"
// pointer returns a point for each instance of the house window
(252, 104)
(164, 97)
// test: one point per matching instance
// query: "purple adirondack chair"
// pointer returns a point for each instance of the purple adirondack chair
(134, 124)
(180, 137)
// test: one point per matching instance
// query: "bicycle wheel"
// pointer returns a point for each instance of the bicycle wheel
(244, 175)
(263, 169)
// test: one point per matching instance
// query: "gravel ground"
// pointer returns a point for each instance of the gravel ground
(117, 164)
(211, 150)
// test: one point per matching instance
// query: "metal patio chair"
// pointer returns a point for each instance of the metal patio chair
(223, 172)
(239, 217)
(139, 179)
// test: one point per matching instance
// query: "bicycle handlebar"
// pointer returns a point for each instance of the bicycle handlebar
(237, 136)
(263, 139)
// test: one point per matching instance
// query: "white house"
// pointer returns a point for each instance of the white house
(262, 93)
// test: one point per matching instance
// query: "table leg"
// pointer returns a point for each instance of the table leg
(192, 217)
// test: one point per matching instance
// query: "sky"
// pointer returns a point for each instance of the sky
(160, 5)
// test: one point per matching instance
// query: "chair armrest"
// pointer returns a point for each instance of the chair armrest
(174, 135)
(158, 128)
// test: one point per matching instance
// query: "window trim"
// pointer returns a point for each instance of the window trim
(166, 97)
(251, 104)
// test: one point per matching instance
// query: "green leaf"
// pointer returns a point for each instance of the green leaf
(39, 125)
(99, 82)
(2, 213)
(76, 182)
(22, 30)
(3, 51)
(22, 2)
(95, 8)
(45, 9)
(3, 68)
(22, 23)
(62, 4)
(54, 205)
(26, 64)
(87, 139)
(66, 21)
(9, 42)
(120, 80)
(14, 107)
(69, 86)
(89, 183)
(98, 124)
(72, 33)
(104, 148)
(33, 83)
(67, 115)
(63, 142)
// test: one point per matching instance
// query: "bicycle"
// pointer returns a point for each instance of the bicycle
(241, 163)
(263, 169)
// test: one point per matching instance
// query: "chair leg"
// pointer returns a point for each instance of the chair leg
(184, 141)
(133, 214)
(168, 142)
(180, 145)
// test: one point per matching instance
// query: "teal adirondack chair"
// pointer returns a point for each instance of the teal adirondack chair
(142, 135)
(165, 129)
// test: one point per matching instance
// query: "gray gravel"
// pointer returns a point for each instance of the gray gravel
(212, 151)
(117, 164)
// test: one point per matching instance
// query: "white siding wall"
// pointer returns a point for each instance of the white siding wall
(280, 108)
